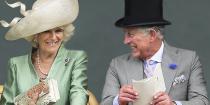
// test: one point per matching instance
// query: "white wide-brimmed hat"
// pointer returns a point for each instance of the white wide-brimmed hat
(45, 15)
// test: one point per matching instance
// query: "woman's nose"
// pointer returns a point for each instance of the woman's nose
(53, 34)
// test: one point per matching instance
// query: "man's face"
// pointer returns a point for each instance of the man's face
(139, 41)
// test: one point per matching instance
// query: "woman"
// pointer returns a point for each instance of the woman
(47, 26)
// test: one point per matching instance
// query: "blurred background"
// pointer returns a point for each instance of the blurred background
(96, 34)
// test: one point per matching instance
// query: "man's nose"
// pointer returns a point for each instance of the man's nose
(127, 39)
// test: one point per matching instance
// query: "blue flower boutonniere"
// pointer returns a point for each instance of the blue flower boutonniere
(172, 66)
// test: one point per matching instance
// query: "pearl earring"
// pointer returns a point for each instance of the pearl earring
(35, 40)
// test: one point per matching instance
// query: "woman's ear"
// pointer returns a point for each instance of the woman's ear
(35, 41)
(35, 38)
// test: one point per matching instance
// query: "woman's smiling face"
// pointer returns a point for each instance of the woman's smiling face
(50, 40)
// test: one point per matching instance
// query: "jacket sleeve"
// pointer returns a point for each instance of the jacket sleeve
(197, 93)
(10, 86)
(78, 91)
(111, 86)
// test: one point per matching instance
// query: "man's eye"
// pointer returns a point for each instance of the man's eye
(130, 34)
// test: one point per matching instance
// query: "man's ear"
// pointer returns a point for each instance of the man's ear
(153, 35)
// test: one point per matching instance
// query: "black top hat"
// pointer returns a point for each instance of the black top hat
(143, 13)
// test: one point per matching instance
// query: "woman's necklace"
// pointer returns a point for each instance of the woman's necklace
(39, 68)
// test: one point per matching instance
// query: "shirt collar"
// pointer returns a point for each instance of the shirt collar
(158, 55)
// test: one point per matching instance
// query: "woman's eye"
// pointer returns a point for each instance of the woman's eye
(59, 30)
(46, 31)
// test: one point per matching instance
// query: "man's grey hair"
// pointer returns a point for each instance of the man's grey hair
(68, 32)
(158, 29)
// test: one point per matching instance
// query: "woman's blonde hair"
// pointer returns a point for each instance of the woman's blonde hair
(68, 32)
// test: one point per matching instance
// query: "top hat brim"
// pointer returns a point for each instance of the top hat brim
(127, 22)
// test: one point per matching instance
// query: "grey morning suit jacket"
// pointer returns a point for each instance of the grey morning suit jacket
(190, 91)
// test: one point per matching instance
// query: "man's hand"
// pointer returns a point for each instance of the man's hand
(162, 98)
(127, 94)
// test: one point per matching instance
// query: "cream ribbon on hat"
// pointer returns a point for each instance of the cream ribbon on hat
(16, 19)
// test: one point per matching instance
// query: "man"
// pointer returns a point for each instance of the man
(143, 24)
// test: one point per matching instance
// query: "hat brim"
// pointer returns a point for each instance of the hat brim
(127, 22)
(44, 17)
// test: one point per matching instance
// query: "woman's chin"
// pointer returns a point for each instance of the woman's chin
(51, 49)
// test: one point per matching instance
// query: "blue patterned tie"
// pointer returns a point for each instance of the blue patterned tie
(149, 67)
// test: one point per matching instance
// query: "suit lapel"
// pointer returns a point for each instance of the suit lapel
(169, 57)
(135, 71)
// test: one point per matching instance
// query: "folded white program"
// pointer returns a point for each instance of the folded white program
(146, 89)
